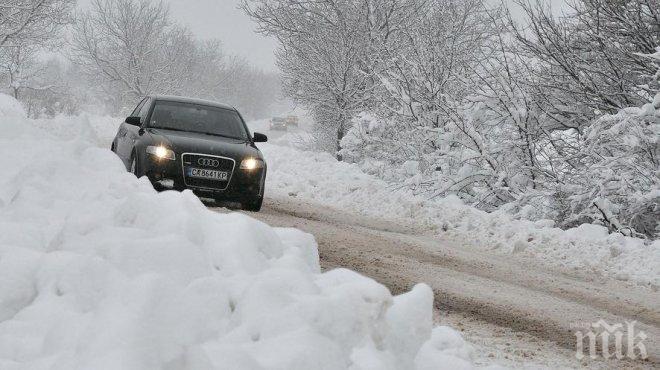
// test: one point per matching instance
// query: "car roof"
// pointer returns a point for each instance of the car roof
(184, 99)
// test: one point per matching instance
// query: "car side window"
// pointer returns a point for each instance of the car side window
(139, 106)
(144, 110)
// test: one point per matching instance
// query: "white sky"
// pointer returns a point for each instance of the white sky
(221, 19)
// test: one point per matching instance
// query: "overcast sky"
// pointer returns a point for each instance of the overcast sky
(221, 19)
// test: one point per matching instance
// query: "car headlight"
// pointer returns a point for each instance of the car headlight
(161, 152)
(251, 164)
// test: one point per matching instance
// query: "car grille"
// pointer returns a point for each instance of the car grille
(207, 162)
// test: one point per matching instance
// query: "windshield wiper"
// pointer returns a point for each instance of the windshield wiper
(199, 132)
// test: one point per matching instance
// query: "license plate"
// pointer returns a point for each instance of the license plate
(201, 173)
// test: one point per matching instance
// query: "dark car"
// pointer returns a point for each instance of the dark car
(278, 124)
(183, 143)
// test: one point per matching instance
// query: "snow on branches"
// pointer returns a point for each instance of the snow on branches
(132, 48)
(458, 97)
(32, 21)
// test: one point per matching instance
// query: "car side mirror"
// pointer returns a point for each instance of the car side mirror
(133, 120)
(260, 138)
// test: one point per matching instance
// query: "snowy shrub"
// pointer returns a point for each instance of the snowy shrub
(610, 178)
(505, 120)
(621, 181)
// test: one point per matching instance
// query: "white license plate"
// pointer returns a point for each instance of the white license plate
(201, 173)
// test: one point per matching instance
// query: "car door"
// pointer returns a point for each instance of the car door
(123, 144)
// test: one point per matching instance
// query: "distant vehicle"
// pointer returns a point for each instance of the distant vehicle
(183, 143)
(278, 124)
(292, 121)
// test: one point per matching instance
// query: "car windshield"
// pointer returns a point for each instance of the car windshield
(198, 118)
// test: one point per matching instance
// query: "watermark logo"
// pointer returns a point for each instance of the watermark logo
(615, 341)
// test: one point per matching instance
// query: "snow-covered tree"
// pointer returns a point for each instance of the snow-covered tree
(132, 46)
(20, 69)
(32, 22)
(552, 117)
(329, 50)
(25, 27)
(421, 99)
(591, 60)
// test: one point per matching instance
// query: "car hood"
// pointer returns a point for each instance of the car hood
(192, 142)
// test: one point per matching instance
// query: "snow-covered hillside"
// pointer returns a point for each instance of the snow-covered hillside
(589, 248)
(98, 271)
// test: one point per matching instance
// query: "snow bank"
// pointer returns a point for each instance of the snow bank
(98, 271)
(319, 177)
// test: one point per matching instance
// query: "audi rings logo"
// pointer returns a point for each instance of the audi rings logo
(208, 162)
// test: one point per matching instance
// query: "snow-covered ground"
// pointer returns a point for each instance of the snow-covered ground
(98, 271)
(319, 177)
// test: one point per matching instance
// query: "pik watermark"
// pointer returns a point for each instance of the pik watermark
(610, 341)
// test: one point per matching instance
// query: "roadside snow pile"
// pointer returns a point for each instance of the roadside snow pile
(98, 271)
(10, 108)
(321, 178)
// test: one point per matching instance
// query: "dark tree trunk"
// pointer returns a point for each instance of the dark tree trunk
(340, 135)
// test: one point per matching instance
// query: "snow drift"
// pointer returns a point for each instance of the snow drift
(98, 271)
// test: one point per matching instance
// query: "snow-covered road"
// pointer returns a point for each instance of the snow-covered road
(537, 307)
